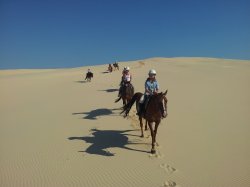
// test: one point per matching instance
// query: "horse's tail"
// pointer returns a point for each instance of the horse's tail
(128, 106)
(118, 99)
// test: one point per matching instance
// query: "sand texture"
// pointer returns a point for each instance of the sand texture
(58, 130)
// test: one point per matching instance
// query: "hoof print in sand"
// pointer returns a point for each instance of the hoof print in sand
(168, 168)
(170, 184)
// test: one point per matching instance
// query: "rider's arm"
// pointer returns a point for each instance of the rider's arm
(156, 87)
(147, 90)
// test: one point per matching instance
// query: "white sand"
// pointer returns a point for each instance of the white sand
(57, 130)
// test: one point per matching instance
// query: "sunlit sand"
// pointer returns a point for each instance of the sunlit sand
(58, 130)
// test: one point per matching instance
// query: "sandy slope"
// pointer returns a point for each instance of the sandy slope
(57, 130)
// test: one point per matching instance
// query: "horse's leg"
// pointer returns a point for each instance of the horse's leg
(150, 124)
(141, 125)
(124, 101)
(155, 131)
(146, 125)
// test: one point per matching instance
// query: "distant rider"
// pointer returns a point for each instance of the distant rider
(89, 74)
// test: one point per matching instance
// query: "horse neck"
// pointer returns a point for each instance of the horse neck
(127, 92)
(153, 108)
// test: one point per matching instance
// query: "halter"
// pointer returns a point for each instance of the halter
(163, 106)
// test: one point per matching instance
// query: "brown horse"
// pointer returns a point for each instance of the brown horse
(116, 66)
(127, 92)
(155, 111)
(88, 77)
(110, 68)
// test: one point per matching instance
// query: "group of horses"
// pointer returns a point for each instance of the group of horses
(153, 113)
(114, 67)
(90, 75)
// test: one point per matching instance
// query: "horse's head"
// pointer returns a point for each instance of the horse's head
(162, 100)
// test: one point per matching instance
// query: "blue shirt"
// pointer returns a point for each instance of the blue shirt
(151, 86)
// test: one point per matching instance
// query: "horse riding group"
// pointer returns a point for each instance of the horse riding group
(150, 105)
(115, 65)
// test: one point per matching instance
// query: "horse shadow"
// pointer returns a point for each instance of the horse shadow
(102, 140)
(92, 115)
(105, 72)
(110, 90)
(81, 81)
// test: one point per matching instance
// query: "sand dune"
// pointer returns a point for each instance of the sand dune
(58, 130)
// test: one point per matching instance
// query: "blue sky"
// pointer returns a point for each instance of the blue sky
(73, 33)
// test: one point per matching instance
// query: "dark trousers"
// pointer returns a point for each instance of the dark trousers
(143, 105)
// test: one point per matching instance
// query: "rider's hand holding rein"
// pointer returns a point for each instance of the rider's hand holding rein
(155, 93)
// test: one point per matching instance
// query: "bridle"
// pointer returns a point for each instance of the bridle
(163, 106)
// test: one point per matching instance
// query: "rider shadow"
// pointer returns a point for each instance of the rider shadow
(101, 140)
(92, 115)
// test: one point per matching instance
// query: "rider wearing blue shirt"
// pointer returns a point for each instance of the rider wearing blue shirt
(151, 88)
(151, 84)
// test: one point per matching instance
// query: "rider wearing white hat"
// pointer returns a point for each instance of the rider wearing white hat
(126, 78)
(151, 88)
(151, 84)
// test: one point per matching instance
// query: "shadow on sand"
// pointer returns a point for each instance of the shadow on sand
(92, 115)
(84, 81)
(110, 90)
(105, 139)
(105, 72)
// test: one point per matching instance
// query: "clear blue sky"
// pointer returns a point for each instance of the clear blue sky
(73, 33)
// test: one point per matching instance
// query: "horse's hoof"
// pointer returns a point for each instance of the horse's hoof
(142, 136)
(152, 151)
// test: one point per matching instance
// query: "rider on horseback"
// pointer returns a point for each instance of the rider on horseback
(125, 80)
(151, 88)
(89, 74)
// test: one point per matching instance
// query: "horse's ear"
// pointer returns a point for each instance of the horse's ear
(165, 93)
